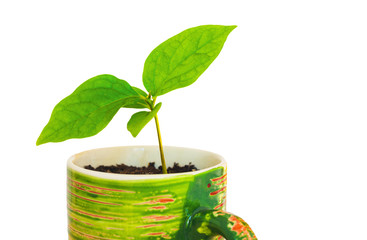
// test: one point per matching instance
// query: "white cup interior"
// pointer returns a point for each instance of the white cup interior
(142, 155)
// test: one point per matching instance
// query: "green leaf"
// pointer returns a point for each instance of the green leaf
(179, 61)
(88, 109)
(138, 120)
(140, 92)
(138, 102)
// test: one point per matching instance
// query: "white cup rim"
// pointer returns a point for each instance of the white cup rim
(204, 160)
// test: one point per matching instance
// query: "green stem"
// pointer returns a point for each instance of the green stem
(164, 167)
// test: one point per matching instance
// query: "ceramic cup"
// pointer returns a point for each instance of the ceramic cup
(191, 205)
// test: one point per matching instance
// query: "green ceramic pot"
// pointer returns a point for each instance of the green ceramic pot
(107, 206)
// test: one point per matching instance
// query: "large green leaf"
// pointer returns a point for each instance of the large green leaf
(179, 61)
(138, 120)
(88, 109)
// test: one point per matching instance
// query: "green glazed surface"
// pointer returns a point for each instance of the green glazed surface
(140, 209)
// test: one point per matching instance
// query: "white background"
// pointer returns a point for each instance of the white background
(285, 103)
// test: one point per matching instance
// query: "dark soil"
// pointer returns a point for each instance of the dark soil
(150, 169)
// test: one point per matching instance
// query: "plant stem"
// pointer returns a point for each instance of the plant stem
(164, 167)
(163, 161)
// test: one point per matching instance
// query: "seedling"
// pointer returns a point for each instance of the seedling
(176, 63)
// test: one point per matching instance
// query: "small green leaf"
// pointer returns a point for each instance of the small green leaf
(180, 60)
(138, 102)
(140, 92)
(138, 120)
(88, 109)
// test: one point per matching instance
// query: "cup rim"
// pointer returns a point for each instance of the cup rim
(117, 176)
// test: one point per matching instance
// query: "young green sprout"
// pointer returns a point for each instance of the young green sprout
(176, 63)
